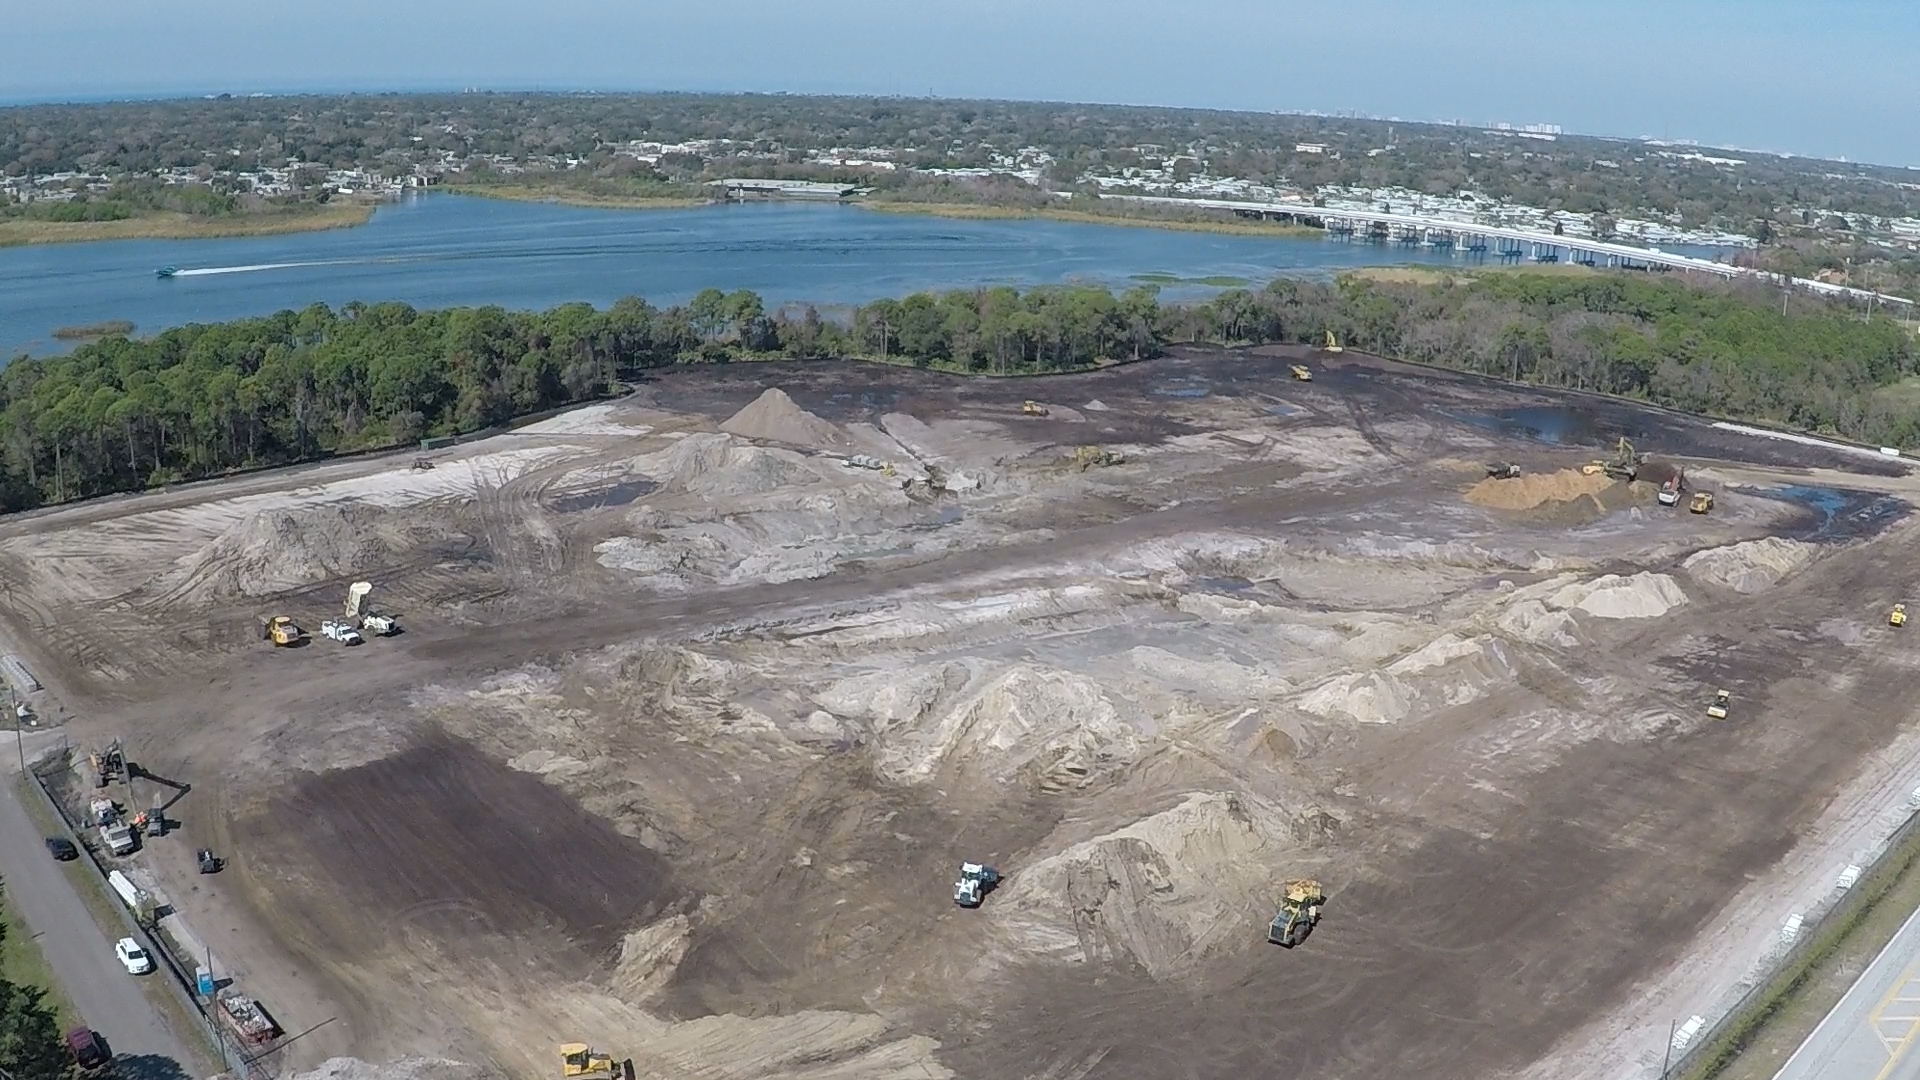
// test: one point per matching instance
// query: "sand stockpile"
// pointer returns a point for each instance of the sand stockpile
(773, 416)
(1159, 893)
(1447, 671)
(278, 551)
(1531, 490)
(1749, 566)
(1642, 596)
(709, 464)
(1054, 729)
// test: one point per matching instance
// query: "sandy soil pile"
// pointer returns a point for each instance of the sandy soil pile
(1448, 670)
(773, 416)
(1054, 729)
(1159, 893)
(277, 551)
(715, 465)
(1537, 489)
(1642, 596)
(1750, 566)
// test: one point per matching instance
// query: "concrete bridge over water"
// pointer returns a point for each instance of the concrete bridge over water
(1502, 241)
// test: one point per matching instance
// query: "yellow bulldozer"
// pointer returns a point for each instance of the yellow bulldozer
(583, 1061)
(1898, 616)
(1299, 911)
(281, 630)
(1301, 372)
(1032, 408)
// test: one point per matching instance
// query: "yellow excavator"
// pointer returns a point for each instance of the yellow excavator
(581, 1060)
(1332, 345)
(1299, 911)
(1898, 616)
(281, 630)
(1301, 372)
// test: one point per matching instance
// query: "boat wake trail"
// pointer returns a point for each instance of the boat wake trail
(209, 270)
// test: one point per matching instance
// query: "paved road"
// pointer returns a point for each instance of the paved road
(111, 1001)
(1872, 1033)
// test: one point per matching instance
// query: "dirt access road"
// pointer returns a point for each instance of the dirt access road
(692, 722)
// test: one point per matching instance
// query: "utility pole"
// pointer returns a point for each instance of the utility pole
(1666, 1062)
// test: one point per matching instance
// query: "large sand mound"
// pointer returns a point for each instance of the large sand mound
(278, 551)
(1749, 566)
(1159, 893)
(773, 416)
(1054, 729)
(1537, 489)
(709, 464)
(1642, 596)
(1448, 670)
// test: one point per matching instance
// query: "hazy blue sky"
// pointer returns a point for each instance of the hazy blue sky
(1828, 77)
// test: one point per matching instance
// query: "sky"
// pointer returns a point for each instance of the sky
(1831, 78)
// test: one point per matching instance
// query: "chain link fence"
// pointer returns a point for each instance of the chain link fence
(1703, 1044)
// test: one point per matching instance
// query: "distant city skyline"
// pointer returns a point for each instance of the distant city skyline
(1825, 80)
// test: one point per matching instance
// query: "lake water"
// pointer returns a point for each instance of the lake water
(443, 250)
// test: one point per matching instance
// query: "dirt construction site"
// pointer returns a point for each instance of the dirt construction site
(705, 694)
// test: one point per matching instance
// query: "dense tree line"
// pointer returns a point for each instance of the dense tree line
(393, 132)
(122, 413)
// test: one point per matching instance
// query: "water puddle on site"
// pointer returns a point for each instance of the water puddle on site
(1836, 513)
(1187, 387)
(618, 495)
(1556, 425)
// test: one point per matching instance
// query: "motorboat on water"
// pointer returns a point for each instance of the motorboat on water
(166, 271)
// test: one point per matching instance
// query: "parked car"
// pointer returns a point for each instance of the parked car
(62, 848)
(132, 956)
(88, 1051)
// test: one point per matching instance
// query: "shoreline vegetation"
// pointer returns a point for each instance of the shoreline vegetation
(18, 232)
(122, 414)
(572, 197)
(109, 328)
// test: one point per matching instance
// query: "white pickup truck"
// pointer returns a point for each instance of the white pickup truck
(342, 632)
(118, 836)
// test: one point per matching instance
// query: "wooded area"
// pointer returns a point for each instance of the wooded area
(120, 414)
